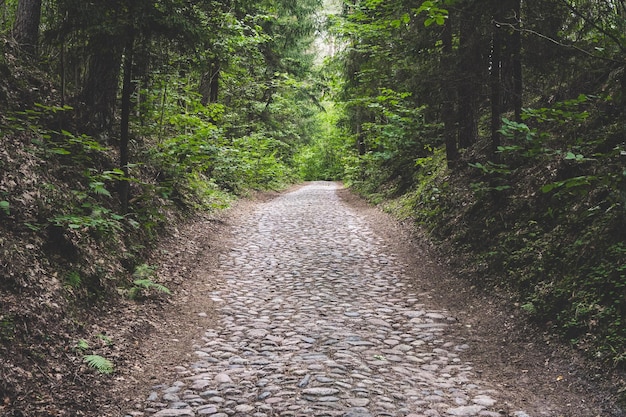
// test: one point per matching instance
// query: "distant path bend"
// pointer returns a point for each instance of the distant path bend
(317, 318)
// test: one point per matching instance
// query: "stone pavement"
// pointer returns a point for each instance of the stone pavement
(317, 319)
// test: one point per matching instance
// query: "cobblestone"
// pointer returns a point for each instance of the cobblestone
(317, 319)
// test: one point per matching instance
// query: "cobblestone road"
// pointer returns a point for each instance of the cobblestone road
(317, 319)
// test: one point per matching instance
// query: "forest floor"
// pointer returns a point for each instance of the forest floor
(154, 339)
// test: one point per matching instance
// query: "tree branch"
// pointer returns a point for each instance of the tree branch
(618, 42)
(556, 42)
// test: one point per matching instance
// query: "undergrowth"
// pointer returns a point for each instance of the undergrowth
(550, 232)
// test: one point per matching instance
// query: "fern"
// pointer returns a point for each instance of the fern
(149, 284)
(82, 344)
(144, 271)
(100, 364)
(143, 281)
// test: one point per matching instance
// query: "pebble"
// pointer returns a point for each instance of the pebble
(316, 318)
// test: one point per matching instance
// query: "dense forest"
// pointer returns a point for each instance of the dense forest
(498, 127)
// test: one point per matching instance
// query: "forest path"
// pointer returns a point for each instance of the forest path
(315, 313)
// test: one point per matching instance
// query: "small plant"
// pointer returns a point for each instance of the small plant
(82, 345)
(7, 328)
(106, 339)
(73, 280)
(5, 207)
(143, 282)
(99, 363)
(142, 285)
(100, 219)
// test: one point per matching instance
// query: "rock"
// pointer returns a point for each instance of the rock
(170, 412)
(244, 408)
(223, 378)
(357, 412)
(304, 381)
(320, 391)
(207, 409)
(171, 397)
(466, 410)
(483, 400)
(358, 402)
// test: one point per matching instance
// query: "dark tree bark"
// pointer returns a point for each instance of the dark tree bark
(470, 73)
(511, 44)
(506, 65)
(495, 76)
(100, 91)
(124, 121)
(26, 27)
(361, 146)
(515, 43)
(209, 85)
(448, 89)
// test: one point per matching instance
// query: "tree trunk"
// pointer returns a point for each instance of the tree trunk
(124, 122)
(448, 111)
(26, 27)
(100, 90)
(495, 76)
(516, 59)
(470, 73)
(507, 23)
(209, 85)
(360, 136)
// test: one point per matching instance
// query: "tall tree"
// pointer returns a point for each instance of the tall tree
(26, 27)
(449, 114)
(470, 71)
(505, 65)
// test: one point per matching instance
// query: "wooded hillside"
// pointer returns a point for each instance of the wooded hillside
(499, 127)
(118, 120)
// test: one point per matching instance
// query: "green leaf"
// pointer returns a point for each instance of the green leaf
(98, 188)
(100, 364)
(148, 284)
(573, 156)
(82, 344)
(549, 187)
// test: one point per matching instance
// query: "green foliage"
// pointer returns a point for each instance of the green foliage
(94, 361)
(7, 16)
(7, 327)
(5, 206)
(562, 113)
(434, 13)
(142, 286)
(106, 339)
(328, 153)
(100, 364)
(98, 219)
(73, 280)
(583, 181)
(82, 345)
(143, 282)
